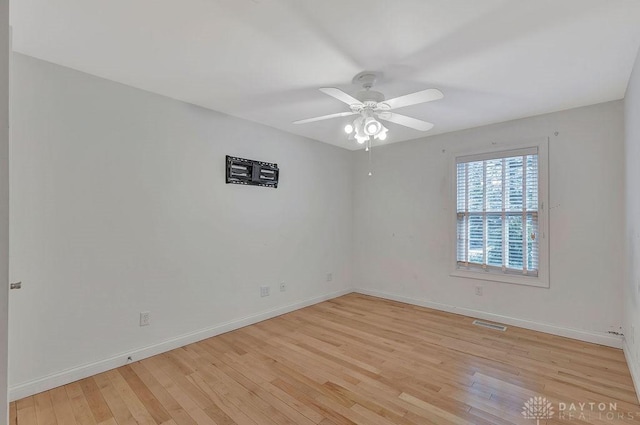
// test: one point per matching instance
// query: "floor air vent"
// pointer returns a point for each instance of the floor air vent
(490, 325)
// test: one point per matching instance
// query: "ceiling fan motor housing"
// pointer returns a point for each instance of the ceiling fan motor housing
(370, 96)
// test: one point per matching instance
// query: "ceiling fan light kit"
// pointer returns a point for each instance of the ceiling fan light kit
(371, 107)
(363, 128)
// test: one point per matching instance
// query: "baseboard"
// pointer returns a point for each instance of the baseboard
(594, 337)
(35, 386)
(635, 377)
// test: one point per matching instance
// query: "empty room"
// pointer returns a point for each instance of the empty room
(298, 212)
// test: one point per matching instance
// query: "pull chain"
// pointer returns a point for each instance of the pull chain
(369, 148)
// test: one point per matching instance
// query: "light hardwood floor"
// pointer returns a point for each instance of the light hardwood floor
(354, 359)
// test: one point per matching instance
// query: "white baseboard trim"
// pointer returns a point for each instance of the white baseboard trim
(45, 383)
(635, 377)
(594, 337)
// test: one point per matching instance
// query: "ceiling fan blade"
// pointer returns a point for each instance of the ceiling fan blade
(325, 117)
(340, 95)
(414, 123)
(414, 98)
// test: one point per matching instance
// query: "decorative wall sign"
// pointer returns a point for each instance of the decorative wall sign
(251, 172)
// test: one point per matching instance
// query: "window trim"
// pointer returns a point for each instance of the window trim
(486, 152)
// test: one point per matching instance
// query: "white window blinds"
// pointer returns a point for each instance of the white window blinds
(497, 212)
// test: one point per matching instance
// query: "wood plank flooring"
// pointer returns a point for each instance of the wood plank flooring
(352, 360)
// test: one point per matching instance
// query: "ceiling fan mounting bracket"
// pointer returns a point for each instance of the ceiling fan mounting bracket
(367, 79)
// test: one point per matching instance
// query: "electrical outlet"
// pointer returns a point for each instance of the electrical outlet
(283, 286)
(145, 318)
(264, 291)
(479, 290)
(329, 277)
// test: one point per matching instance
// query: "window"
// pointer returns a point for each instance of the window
(498, 216)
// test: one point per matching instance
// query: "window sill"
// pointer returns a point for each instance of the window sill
(504, 278)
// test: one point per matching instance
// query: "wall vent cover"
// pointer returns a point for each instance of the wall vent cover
(490, 325)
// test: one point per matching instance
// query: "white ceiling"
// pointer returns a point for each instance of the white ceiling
(263, 60)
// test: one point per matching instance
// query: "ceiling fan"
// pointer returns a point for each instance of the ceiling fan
(370, 105)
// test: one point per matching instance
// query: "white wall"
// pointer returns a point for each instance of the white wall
(404, 237)
(119, 206)
(632, 222)
(4, 202)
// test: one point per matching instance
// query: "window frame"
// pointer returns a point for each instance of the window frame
(542, 280)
